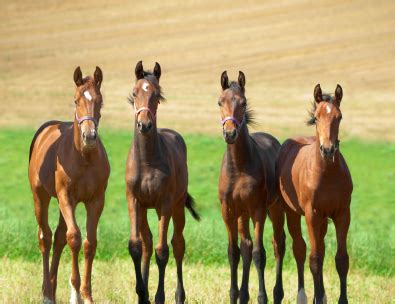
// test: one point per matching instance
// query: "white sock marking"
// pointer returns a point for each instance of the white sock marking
(145, 86)
(87, 95)
(75, 297)
(302, 298)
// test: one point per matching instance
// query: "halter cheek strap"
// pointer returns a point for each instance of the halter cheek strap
(80, 120)
(234, 120)
(152, 114)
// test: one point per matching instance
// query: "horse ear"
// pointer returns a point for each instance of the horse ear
(78, 76)
(242, 80)
(224, 80)
(338, 94)
(317, 93)
(139, 70)
(157, 71)
(98, 76)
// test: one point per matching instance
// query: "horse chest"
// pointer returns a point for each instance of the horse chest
(149, 185)
(242, 189)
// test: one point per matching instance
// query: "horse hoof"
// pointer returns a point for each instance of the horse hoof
(302, 298)
(75, 297)
(244, 297)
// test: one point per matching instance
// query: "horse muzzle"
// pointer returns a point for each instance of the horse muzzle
(144, 128)
(230, 136)
(89, 138)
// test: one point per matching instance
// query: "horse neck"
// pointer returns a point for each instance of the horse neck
(147, 146)
(239, 153)
(321, 166)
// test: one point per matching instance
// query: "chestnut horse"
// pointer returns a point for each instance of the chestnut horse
(246, 190)
(314, 181)
(156, 177)
(68, 161)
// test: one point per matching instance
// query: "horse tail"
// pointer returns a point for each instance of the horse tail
(189, 203)
(47, 124)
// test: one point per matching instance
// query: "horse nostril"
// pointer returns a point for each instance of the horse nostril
(83, 135)
(149, 125)
(332, 149)
(321, 148)
(94, 134)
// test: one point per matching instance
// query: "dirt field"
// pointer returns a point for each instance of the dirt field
(284, 48)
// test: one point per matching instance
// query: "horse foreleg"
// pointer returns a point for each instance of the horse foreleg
(58, 246)
(135, 245)
(315, 224)
(233, 250)
(299, 251)
(93, 213)
(259, 253)
(73, 237)
(342, 223)
(246, 254)
(178, 243)
(162, 250)
(41, 203)
(277, 216)
(146, 237)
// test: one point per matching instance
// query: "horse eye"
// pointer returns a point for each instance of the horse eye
(134, 94)
(243, 104)
(219, 102)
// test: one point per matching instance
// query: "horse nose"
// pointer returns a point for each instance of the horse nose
(231, 135)
(89, 135)
(144, 128)
(327, 151)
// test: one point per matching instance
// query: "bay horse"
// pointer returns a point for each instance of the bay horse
(314, 181)
(247, 188)
(156, 177)
(67, 161)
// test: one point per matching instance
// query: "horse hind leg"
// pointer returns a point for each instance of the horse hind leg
(178, 243)
(58, 246)
(277, 216)
(246, 254)
(299, 251)
(147, 249)
(41, 204)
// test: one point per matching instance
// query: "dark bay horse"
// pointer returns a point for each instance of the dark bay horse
(246, 190)
(156, 177)
(314, 181)
(67, 161)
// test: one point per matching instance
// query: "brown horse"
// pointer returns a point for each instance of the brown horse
(156, 177)
(68, 161)
(314, 181)
(246, 190)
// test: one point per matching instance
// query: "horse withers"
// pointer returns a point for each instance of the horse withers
(247, 191)
(157, 178)
(314, 181)
(67, 161)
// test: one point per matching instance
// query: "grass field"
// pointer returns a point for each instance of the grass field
(371, 243)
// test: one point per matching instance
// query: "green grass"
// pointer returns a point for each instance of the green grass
(371, 238)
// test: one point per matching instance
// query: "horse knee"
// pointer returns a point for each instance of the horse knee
(90, 248)
(135, 248)
(45, 239)
(259, 256)
(74, 240)
(60, 237)
(316, 263)
(178, 243)
(342, 263)
(233, 254)
(299, 249)
(246, 248)
(162, 255)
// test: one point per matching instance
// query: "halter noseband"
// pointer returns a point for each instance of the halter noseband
(80, 120)
(234, 120)
(152, 114)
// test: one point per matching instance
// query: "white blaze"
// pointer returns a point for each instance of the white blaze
(87, 95)
(145, 86)
(328, 109)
